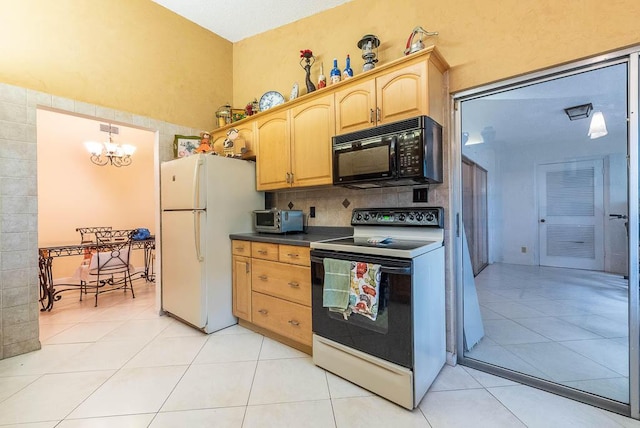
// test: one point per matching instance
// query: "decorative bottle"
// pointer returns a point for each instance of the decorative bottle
(348, 72)
(334, 75)
(322, 79)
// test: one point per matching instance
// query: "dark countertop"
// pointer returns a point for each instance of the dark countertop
(303, 239)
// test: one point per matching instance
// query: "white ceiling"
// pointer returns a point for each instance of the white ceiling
(239, 19)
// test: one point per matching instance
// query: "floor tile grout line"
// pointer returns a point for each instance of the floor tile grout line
(253, 378)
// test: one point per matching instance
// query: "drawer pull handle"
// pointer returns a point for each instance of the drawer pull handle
(293, 255)
(294, 323)
(294, 285)
(262, 251)
(263, 277)
(263, 311)
(240, 248)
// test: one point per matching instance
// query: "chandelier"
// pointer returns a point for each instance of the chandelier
(110, 153)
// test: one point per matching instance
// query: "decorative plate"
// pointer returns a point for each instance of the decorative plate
(294, 92)
(270, 99)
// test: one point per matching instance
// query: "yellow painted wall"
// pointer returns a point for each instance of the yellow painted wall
(483, 41)
(129, 55)
(73, 192)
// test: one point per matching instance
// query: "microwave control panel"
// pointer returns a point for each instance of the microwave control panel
(410, 156)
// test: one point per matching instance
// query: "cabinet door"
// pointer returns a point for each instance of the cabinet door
(312, 126)
(402, 93)
(242, 287)
(355, 107)
(244, 140)
(273, 152)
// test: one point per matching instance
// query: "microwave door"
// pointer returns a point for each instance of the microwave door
(368, 160)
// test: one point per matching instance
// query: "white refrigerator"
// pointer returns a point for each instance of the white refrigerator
(204, 198)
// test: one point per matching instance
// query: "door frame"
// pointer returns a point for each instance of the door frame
(631, 56)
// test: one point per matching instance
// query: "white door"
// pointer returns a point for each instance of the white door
(571, 217)
(183, 284)
(182, 185)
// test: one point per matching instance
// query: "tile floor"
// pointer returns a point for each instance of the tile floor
(564, 325)
(122, 365)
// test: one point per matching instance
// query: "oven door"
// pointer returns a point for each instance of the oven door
(364, 160)
(389, 337)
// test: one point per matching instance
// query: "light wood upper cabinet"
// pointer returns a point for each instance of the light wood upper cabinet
(404, 90)
(273, 151)
(312, 126)
(402, 94)
(355, 107)
(294, 146)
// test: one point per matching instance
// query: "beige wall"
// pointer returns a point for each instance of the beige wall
(483, 41)
(73, 192)
(130, 55)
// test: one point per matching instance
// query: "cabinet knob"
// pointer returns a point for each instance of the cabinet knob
(294, 285)
(263, 311)
(294, 323)
(263, 277)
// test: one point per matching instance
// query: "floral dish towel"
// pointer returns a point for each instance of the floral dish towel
(365, 289)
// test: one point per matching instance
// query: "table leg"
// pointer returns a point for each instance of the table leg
(45, 263)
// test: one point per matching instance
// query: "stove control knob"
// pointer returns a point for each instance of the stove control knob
(366, 217)
(359, 216)
(401, 217)
(430, 217)
(411, 216)
(419, 217)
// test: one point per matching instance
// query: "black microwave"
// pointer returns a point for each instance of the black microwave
(396, 154)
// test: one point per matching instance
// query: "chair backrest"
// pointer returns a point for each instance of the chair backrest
(88, 234)
(113, 249)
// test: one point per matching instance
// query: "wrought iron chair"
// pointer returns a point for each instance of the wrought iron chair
(88, 236)
(109, 268)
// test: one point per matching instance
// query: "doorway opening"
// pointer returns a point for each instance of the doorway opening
(550, 306)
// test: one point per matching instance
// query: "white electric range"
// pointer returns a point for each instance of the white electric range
(400, 353)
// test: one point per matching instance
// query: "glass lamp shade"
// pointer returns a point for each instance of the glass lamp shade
(128, 149)
(94, 147)
(598, 127)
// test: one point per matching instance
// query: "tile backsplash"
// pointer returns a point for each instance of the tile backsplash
(334, 204)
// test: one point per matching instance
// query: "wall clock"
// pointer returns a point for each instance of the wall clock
(270, 99)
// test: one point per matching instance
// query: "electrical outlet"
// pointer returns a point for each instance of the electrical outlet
(523, 249)
(421, 195)
(312, 212)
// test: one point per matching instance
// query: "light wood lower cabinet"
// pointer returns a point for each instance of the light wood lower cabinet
(283, 317)
(272, 289)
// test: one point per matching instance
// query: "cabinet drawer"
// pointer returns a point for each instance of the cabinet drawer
(240, 248)
(263, 250)
(295, 254)
(280, 280)
(285, 318)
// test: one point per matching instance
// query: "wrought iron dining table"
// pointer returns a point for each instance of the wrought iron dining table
(50, 292)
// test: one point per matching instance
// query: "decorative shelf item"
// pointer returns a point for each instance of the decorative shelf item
(369, 45)
(306, 57)
(223, 114)
(348, 72)
(322, 79)
(334, 75)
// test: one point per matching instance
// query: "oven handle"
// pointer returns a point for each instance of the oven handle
(383, 269)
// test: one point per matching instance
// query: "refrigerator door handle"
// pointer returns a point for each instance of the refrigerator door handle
(196, 185)
(196, 232)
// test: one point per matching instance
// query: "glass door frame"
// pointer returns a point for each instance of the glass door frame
(631, 56)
